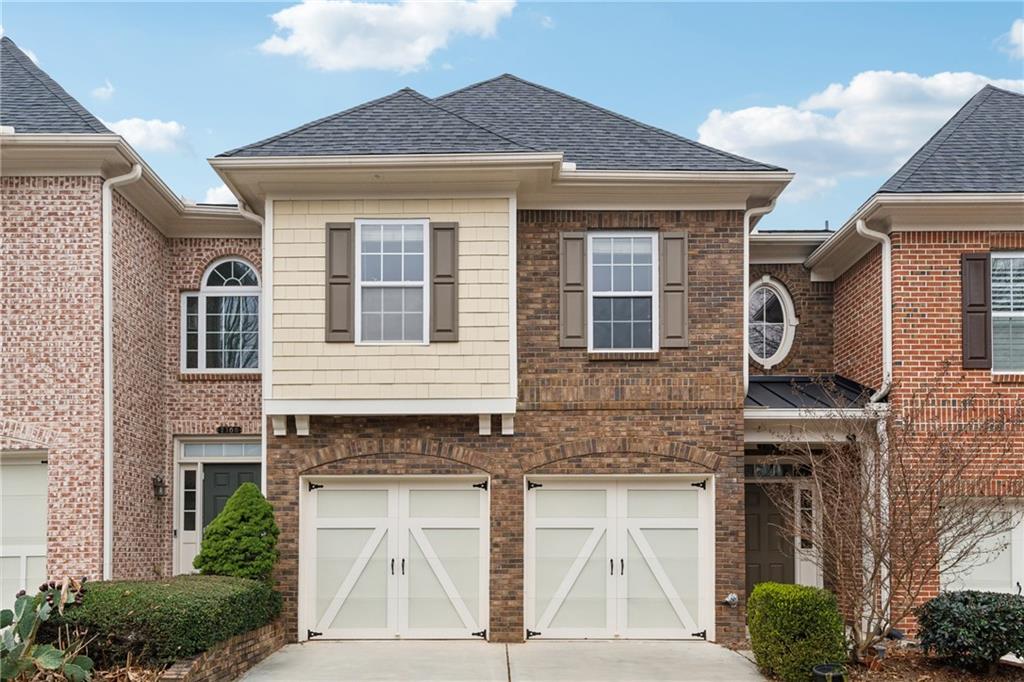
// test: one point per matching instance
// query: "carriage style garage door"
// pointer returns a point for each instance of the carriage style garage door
(627, 558)
(386, 558)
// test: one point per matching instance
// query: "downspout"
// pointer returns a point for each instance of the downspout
(880, 409)
(244, 211)
(748, 215)
(107, 209)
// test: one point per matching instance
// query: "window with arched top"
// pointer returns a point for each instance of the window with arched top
(220, 329)
(771, 322)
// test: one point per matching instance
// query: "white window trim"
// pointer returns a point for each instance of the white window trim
(995, 255)
(360, 222)
(201, 294)
(654, 293)
(789, 321)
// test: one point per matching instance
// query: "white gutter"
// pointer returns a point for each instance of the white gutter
(886, 242)
(108, 362)
(747, 216)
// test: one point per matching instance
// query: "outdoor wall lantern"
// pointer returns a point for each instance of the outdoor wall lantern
(159, 487)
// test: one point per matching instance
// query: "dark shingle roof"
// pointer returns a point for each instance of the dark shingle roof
(980, 149)
(32, 102)
(592, 137)
(805, 392)
(404, 122)
(504, 114)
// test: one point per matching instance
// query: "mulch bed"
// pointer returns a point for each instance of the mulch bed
(913, 664)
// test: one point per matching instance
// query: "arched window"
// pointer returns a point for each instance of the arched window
(220, 329)
(772, 322)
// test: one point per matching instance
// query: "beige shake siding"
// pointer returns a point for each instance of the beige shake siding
(306, 367)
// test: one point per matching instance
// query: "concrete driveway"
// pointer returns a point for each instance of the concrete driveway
(546, 661)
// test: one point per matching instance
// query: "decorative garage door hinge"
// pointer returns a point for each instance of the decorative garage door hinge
(703, 485)
(482, 486)
(531, 634)
(530, 485)
(310, 634)
(480, 633)
(703, 634)
(315, 486)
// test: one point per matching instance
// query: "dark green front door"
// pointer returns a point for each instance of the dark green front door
(220, 481)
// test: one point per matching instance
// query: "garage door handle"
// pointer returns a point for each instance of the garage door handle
(403, 566)
(392, 567)
(622, 567)
(611, 567)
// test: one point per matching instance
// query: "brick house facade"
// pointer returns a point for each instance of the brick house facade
(550, 455)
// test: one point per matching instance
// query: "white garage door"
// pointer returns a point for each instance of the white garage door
(394, 558)
(626, 558)
(22, 524)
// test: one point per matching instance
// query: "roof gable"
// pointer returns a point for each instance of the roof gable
(980, 149)
(404, 122)
(591, 136)
(32, 102)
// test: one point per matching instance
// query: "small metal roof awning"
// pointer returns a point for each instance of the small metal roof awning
(828, 391)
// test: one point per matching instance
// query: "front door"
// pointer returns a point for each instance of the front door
(220, 481)
(622, 558)
(769, 549)
(386, 558)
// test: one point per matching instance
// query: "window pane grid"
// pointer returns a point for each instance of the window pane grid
(392, 281)
(622, 273)
(221, 331)
(766, 321)
(1007, 313)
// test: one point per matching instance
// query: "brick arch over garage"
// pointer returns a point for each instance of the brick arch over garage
(665, 448)
(368, 448)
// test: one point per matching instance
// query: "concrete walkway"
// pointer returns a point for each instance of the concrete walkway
(544, 661)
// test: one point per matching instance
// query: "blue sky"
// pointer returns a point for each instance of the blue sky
(840, 93)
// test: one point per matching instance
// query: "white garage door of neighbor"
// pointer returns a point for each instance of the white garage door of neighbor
(22, 524)
(394, 558)
(619, 558)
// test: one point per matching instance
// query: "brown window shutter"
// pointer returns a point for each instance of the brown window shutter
(674, 267)
(572, 286)
(976, 302)
(444, 282)
(340, 319)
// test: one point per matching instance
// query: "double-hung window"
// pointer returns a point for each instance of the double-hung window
(221, 322)
(392, 297)
(622, 279)
(1008, 312)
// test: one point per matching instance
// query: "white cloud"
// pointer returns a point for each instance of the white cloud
(546, 21)
(341, 35)
(28, 53)
(1014, 40)
(866, 127)
(105, 91)
(151, 134)
(220, 195)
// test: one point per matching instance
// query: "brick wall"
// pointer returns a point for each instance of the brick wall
(678, 413)
(140, 453)
(811, 352)
(857, 321)
(231, 659)
(927, 355)
(51, 293)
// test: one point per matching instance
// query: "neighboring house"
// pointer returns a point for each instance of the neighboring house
(484, 353)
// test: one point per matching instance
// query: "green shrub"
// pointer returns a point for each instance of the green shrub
(794, 628)
(973, 630)
(158, 621)
(242, 540)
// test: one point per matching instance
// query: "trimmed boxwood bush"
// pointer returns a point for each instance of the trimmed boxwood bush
(973, 630)
(794, 628)
(159, 621)
(242, 540)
